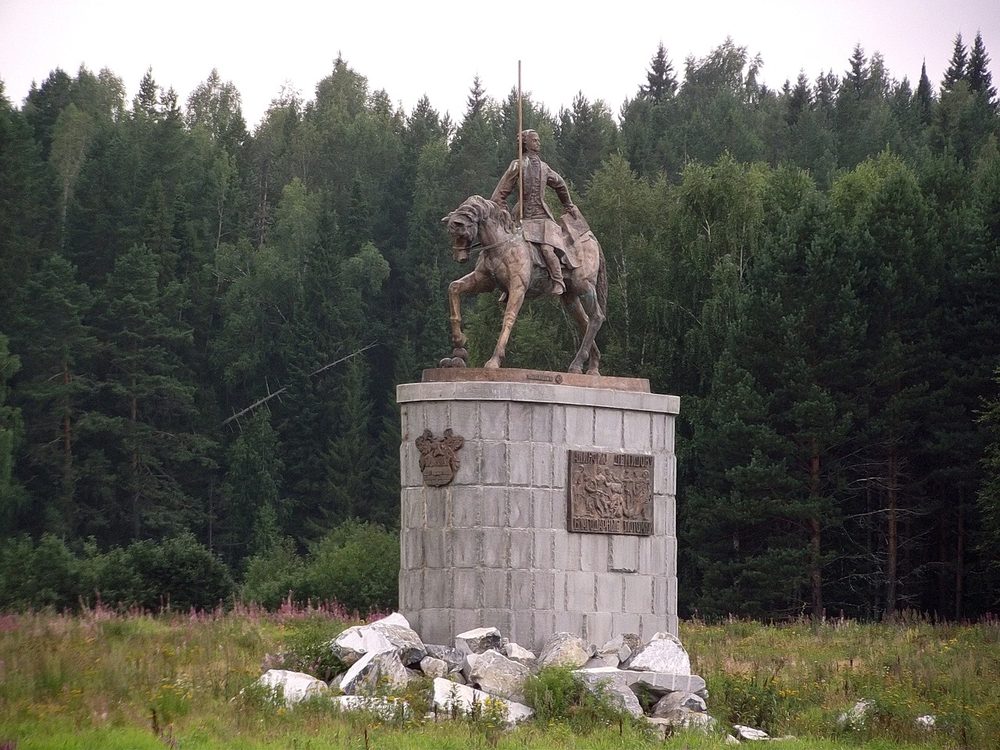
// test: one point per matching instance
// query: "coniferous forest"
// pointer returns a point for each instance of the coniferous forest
(202, 327)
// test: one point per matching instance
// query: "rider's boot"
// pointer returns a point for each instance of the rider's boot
(554, 268)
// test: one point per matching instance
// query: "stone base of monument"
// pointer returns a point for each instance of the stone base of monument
(537, 502)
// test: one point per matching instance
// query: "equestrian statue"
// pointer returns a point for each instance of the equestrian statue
(526, 255)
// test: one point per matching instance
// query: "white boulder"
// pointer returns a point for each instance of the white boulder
(564, 650)
(663, 653)
(520, 654)
(494, 673)
(294, 686)
(749, 734)
(453, 699)
(386, 709)
(478, 640)
(391, 633)
(382, 671)
(432, 667)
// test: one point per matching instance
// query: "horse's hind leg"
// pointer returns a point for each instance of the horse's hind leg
(575, 308)
(595, 319)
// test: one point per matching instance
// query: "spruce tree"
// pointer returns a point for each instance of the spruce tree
(925, 96)
(956, 70)
(251, 492)
(856, 77)
(661, 82)
(799, 99)
(978, 73)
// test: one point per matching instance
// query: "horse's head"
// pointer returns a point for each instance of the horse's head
(463, 226)
(466, 222)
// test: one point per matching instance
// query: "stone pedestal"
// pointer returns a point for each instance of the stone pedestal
(491, 547)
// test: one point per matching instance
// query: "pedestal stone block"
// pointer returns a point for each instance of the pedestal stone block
(492, 546)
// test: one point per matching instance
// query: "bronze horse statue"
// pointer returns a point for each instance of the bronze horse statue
(509, 262)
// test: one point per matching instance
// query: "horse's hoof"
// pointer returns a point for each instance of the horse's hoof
(594, 372)
(575, 370)
(457, 362)
(446, 362)
(460, 353)
(493, 364)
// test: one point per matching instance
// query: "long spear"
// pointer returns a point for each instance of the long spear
(520, 150)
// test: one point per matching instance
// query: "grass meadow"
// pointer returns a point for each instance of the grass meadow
(101, 680)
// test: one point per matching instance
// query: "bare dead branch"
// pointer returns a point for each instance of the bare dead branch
(277, 393)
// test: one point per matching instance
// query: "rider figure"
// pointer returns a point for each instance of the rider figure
(538, 223)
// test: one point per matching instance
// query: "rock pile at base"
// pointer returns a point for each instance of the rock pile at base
(483, 674)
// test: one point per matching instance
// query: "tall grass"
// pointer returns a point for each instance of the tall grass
(799, 678)
(135, 681)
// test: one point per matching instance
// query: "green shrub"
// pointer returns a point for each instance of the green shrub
(752, 700)
(357, 565)
(179, 572)
(307, 649)
(109, 577)
(272, 574)
(557, 694)
(38, 576)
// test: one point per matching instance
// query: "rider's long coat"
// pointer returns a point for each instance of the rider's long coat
(539, 224)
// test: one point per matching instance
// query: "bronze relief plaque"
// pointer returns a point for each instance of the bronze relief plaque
(610, 493)
(439, 457)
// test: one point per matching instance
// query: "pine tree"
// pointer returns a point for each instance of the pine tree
(12, 496)
(889, 234)
(56, 390)
(988, 497)
(149, 417)
(27, 207)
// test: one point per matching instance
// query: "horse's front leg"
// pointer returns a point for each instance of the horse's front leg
(515, 298)
(472, 283)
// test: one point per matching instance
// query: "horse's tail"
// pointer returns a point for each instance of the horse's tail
(602, 282)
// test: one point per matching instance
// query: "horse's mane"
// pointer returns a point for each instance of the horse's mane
(483, 209)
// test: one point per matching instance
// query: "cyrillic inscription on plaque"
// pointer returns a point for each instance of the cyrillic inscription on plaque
(610, 493)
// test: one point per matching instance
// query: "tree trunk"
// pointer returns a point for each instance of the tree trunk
(959, 555)
(67, 462)
(134, 416)
(815, 539)
(942, 576)
(892, 531)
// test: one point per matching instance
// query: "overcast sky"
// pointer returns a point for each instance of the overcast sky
(413, 47)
